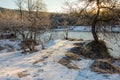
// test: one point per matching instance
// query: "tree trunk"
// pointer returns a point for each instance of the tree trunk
(66, 34)
(94, 33)
(95, 20)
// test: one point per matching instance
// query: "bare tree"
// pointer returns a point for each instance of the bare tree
(66, 26)
(97, 12)
(20, 4)
(9, 22)
(34, 21)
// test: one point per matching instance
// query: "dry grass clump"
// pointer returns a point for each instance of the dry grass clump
(96, 50)
(28, 46)
(67, 62)
(104, 66)
(92, 50)
(75, 39)
(28, 43)
(1, 48)
(35, 62)
(22, 74)
(72, 56)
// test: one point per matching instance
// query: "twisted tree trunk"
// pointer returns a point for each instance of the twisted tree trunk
(94, 33)
(95, 20)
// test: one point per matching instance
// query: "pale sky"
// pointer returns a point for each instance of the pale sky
(52, 5)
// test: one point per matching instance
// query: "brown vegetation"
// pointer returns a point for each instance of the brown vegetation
(67, 62)
(1, 48)
(28, 44)
(27, 24)
(22, 74)
(92, 50)
(105, 66)
(96, 50)
(7, 36)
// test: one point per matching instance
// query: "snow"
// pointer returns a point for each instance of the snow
(114, 49)
(82, 28)
(9, 45)
(114, 28)
(43, 65)
(74, 28)
(113, 44)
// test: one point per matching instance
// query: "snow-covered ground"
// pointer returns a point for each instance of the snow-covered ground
(43, 65)
(113, 43)
(9, 45)
(114, 28)
(74, 28)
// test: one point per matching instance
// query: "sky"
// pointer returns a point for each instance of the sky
(52, 5)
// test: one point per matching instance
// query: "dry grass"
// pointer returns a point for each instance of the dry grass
(25, 51)
(72, 56)
(1, 48)
(96, 50)
(92, 50)
(22, 74)
(11, 50)
(28, 43)
(104, 66)
(37, 61)
(42, 59)
(66, 62)
(75, 39)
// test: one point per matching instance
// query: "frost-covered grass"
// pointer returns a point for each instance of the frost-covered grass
(43, 65)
